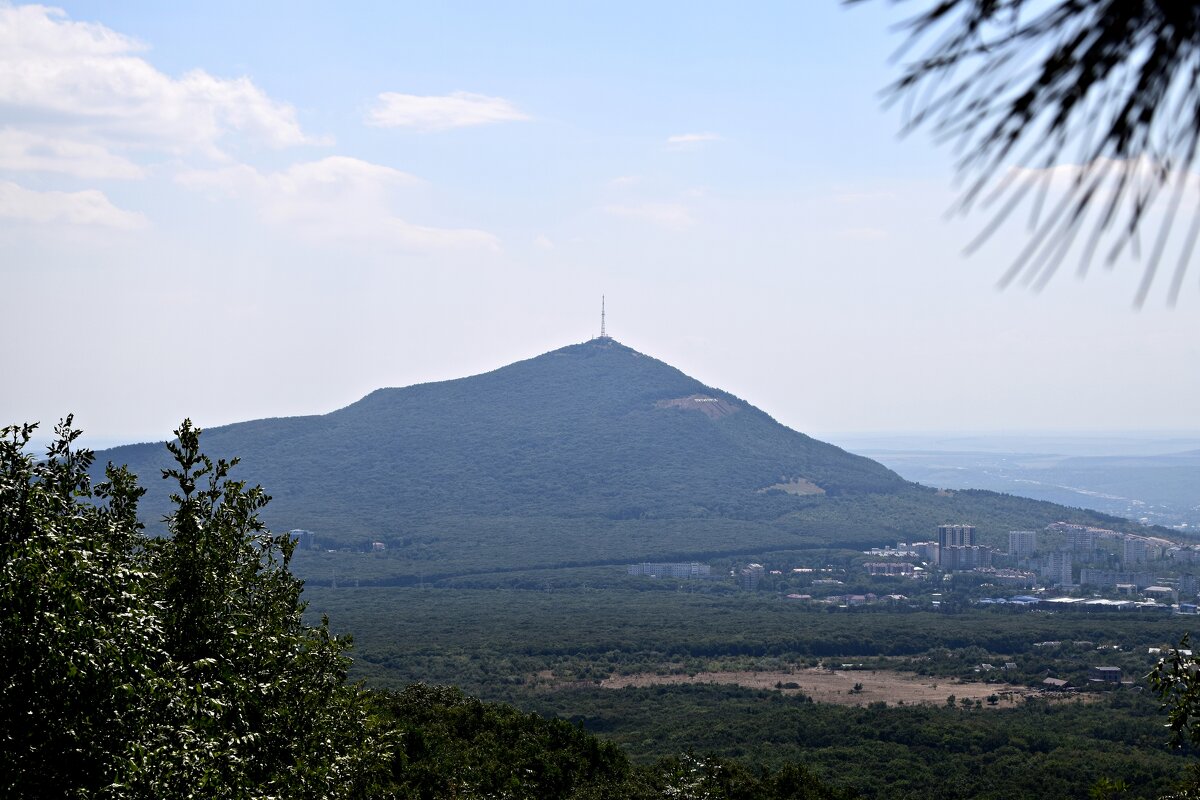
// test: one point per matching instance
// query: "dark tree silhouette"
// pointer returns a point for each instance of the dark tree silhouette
(1103, 95)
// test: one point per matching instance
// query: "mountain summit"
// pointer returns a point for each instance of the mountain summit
(590, 453)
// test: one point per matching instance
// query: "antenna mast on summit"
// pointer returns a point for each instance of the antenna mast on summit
(603, 335)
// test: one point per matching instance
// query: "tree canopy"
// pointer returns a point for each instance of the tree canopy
(163, 667)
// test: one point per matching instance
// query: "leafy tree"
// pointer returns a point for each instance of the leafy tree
(176, 667)
(454, 745)
(1111, 84)
(79, 633)
(1107, 789)
(1176, 680)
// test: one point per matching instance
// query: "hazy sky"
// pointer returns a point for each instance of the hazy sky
(239, 210)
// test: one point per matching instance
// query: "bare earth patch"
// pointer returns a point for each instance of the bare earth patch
(711, 407)
(837, 686)
(797, 486)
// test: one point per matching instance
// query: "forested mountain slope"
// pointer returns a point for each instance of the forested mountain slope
(587, 454)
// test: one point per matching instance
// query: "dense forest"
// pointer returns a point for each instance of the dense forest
(189, 666)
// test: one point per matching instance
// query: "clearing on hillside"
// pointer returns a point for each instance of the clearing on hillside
(711, 407)
(797, 486)
(838, 686)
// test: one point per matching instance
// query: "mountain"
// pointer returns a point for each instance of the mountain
(593, 453)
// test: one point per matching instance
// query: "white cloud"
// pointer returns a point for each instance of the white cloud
(89, 207)
(665, 215)
(24, 151)
(440, 112)
(83, 86)
(334, 199)
(689, 141)
(1139, 171)
(330, 179)
(625, 180)
(543, 242)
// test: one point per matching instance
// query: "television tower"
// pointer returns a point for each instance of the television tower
(603, 335)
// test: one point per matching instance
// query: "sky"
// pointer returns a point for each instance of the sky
(235, 211)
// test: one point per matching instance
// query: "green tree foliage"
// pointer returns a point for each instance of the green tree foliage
(1176, 680)
(79, 633)
(690, 777)
(175, 667)
(453, 745)
(1033, 749)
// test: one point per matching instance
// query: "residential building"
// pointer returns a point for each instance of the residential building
(1133, 551)
(1109, 579)
(1184, 555)
(1012, 579)
(926, 551)
(749, 576)
(1022, 544)
(964, 557)
(956, 536)
(685, 570)
(1056, 568)
(950, 556)
(1081, 540)
(889, 568)
(305, 540)
(1106, 674)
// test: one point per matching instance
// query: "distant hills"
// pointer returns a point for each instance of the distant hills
(1162, 489)
(590, 454)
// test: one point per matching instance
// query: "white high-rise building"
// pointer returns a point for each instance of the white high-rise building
(1022, 544)
(1133, 551)
(1056, 568)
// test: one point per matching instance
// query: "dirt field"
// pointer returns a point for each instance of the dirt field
(826, 686)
